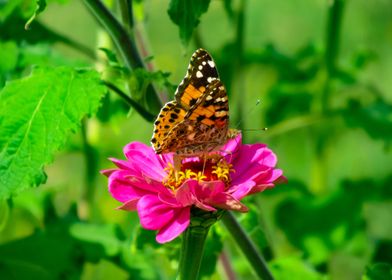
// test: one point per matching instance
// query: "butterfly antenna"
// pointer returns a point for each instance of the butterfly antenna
(249, 112)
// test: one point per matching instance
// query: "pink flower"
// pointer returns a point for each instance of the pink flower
(147, 183)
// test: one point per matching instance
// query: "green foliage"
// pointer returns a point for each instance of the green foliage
(186, 14)
(293, 268)
(321, 73)
(36, 118)
(378, 271)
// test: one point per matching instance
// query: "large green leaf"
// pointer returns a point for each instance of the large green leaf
(36, 115)
(186, 14)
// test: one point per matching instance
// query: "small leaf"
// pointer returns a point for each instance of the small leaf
(41, 5)
(375, 118)
(186, 14)
(293, 268)
(36, 115)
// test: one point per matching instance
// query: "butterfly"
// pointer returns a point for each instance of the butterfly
(197, 121)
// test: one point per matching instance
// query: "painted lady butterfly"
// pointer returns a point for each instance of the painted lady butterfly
(197, 121)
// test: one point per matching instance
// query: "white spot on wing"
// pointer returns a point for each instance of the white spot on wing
(199, 74)
(219, 114)
(210, 79)
(211, 63)
(200, 67)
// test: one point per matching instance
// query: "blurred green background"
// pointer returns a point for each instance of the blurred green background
(322, 72)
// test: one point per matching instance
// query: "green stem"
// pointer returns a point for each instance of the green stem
(117, 32)
(247, 247)
(126, 9)
(193, 241)
(334, 26)
(332, 44)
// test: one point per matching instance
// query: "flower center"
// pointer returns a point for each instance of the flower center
(210, 168)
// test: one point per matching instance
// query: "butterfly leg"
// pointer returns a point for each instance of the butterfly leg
(177, 160)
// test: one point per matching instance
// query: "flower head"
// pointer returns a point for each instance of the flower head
(163, 197)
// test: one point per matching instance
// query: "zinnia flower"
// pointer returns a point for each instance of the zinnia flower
(163, 197)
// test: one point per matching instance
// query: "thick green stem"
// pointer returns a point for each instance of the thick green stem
(193, 241)
(126, 13)
(247, 247)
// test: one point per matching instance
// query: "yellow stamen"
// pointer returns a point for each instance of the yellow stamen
(222, 171)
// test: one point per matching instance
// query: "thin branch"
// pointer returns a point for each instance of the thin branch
(227, 266)
(145, 114)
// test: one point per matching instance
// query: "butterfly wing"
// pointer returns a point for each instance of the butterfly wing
(197, 121)
(201, 72)
(212, 109)
(202, 129)
(169, 116)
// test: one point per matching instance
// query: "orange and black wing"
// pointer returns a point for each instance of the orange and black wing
(201, 72)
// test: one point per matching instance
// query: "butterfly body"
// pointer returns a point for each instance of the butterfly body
(197, 121)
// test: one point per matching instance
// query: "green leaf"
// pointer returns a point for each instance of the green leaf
(108, 236)
(186, 14)
(41, 5)
(213, 248)
(8, 56)
(293, 268)
(379, 271)
(374, 118)
(4, 213)
(36, 115)
(43, 255)
(377, 216)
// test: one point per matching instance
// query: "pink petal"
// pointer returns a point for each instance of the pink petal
(122, 164)
(107, 172)
(253, 162)
(242, 190)
(191, 192)
(169, 199)
(228, 202)
(143, 158)
(260, 188)
(153, 213)
(130, 205)
(184, 193)
(231, 148)
(270, 176)
(124, 186)
(175, 227)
